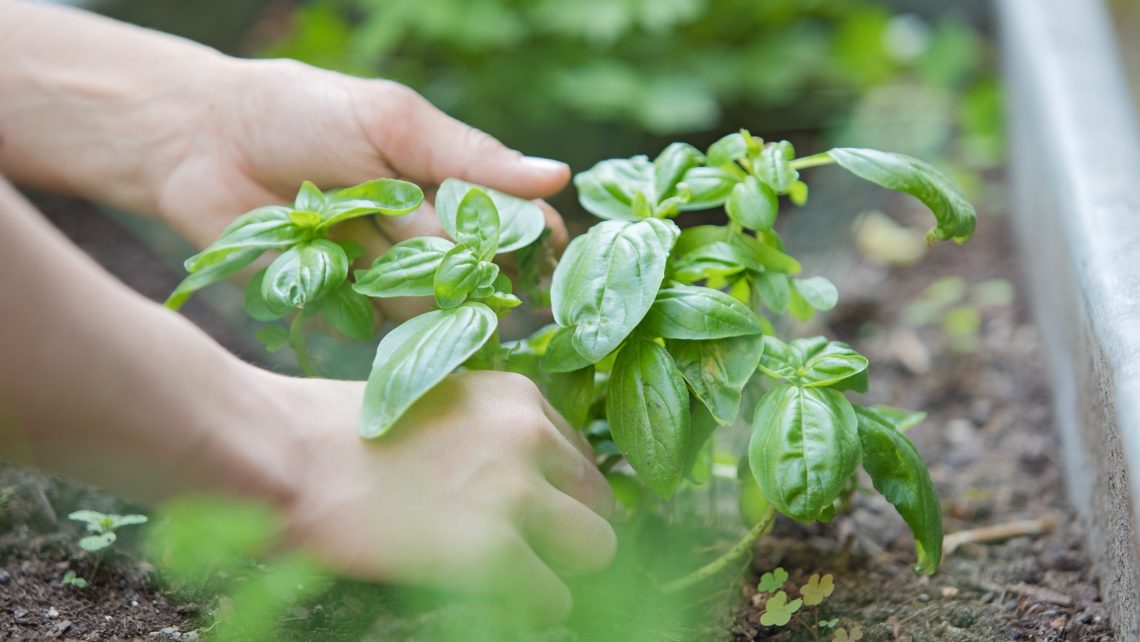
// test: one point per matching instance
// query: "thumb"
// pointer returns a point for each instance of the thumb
(432, 146)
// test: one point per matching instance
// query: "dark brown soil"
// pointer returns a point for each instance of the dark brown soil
(989, 441)
(994, 456)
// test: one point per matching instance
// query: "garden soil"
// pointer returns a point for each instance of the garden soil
(989, 440)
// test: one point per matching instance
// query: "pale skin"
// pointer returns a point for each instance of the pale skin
(482, 487)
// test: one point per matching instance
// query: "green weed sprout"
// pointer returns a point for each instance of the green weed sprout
(779, 611)
(102, 527)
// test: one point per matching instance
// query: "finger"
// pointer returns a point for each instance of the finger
(568, 535)
(529, 588)
(430, 146)
(573, 436)
(575, 473)
(558, 234)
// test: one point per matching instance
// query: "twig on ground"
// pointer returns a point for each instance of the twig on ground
(997, 533)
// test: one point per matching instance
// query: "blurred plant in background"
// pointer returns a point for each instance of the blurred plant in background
(594, 78)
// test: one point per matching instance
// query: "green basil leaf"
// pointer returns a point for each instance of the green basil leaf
(265, 228)
(309, 198)
(305, 219)
(477, 223)
(774, 290)
(817, 292)
(727, 150)
(416, 356)
(774, 166)
(814, 362)
(304, 273)
(256, 306)
(559, 354)
(273, 337)
(387, 196)
(804, 448)
(900, 419)
(520, 221)
(212, 269)
(694, 312)
(753, 204)
(607, 281)
(407, 269)
(798, 307)
(648, 410)
(702, 426)
(718, 370)
(709, 187)
(608, 189)
(696, 236)
(572, 394)
(753, 507)
(349, 312)
(953, 212)
(898, 472)
(770, 257)
(457, 276)
(859, 382)
(671, 165)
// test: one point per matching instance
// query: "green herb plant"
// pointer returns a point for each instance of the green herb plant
(658, 331)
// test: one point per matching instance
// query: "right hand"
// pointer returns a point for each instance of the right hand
(481, 487)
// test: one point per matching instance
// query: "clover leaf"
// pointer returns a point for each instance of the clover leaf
(817, 589)
(778, 611)
(772, 581)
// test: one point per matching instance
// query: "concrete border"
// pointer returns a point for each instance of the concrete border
(1075, 174)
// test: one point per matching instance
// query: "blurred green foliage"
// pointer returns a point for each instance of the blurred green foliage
(594, 78)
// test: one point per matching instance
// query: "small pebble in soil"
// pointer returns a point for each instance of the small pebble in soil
(52, 613)
(949, 591)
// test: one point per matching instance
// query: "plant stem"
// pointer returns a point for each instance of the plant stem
(734, 555)
(815, 160)
(300, 349)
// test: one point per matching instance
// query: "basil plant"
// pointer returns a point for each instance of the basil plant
(657, 330)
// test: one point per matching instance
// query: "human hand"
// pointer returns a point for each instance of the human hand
(480, 488)
(272, 124)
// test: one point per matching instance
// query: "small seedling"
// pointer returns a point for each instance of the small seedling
(778, 611)
(103, 527)
(71, 579)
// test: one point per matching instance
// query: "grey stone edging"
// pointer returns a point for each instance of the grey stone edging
(1075, 176)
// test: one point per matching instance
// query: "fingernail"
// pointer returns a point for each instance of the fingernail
(545, 165)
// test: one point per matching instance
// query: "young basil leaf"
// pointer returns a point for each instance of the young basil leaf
(273, 337)
(648, 410)
(898, 472)
(559, 354)
(693, 312)
(718, 370)
(407, 269)
(804, 448)
(798, 306)
(814, 362)
(349, 312)
(265, 228)
(305, 219)
(607, 281)
(210, 270)
(477, 223)
(572, 393)
(798, 193)
(309, 198)
(900, 419)
(521, 222)
(817, 292)
(671, 165)
(607, 190)
(953, 212)
(304, 273)
(697, 236)
(709, 187)
(858, 382)
(727, 150)
(256, 306)
(770, 257)
(416, 356)
(457, 276)
(774, 166)
(774, 290)
(387, 196)
(752, 204)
